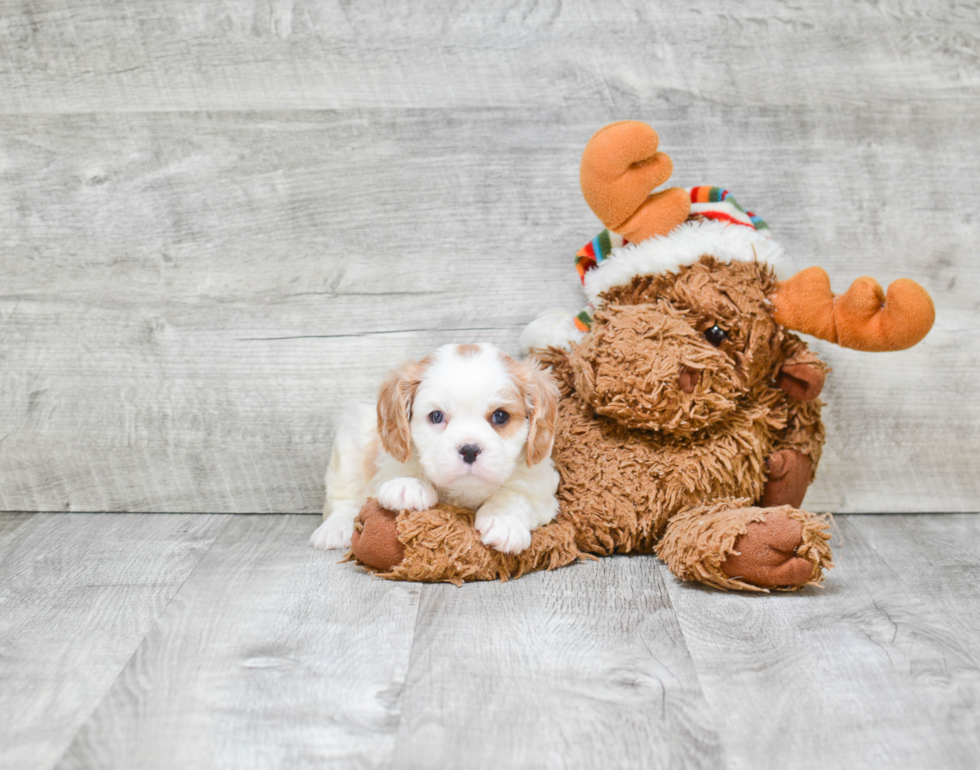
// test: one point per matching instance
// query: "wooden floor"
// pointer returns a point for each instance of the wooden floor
(211, 641)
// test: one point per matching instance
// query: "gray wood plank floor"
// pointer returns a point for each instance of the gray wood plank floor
(133, 641)
(78, 595)
(220, 220)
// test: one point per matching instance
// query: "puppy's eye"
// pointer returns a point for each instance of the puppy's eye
(499, 417)
(715, 335)
(436, 417)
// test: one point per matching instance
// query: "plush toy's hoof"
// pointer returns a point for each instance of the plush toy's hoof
(766, 555)
(789, 477)
(749, 549)
(375, 540)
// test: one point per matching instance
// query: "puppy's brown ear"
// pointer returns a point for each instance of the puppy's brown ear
(541, 396)
(395, 408)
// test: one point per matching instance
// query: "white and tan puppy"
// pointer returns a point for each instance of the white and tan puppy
(467, 425)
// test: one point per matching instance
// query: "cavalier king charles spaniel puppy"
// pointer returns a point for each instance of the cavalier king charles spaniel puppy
(467, 425)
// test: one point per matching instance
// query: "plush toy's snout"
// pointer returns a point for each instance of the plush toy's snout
(689, 378)
(646, 367)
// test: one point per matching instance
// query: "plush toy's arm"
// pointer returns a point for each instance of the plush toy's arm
(802, 375)
(442, 545)
(804, 432)
(792, 465)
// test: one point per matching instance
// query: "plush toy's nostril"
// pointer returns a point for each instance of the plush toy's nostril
(469, 452)
(688, 379)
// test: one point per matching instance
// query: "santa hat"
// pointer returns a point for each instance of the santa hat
(717, 225)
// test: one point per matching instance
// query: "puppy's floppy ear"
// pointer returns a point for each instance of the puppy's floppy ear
(395, 408)
(541, 396)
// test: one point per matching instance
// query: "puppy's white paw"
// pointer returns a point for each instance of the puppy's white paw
(334, 533)
(407, 494)
(503, 531)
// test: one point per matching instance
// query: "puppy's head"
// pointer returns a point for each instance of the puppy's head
(471, 412)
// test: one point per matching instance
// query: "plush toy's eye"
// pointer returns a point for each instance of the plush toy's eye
(500, 417)
(715, 335)
(436, 417)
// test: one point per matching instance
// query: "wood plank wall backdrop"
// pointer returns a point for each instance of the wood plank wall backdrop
(220, 220)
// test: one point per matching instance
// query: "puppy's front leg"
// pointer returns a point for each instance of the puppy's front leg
(336, 529)
(504, 521)
(407, 494)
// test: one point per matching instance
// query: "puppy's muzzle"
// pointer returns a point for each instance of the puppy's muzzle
(469, 453)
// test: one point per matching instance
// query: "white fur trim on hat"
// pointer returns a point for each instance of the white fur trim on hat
(553, 328)
(684, 245)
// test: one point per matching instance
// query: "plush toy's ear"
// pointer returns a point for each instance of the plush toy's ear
(802, 381)
(395, 408)
(541, 398)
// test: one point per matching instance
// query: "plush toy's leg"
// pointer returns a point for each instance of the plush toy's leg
(730, 546)
(441, 545)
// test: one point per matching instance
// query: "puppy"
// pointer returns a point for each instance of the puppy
(467, 425)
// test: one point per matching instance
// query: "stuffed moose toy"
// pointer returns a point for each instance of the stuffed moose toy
(689, 424)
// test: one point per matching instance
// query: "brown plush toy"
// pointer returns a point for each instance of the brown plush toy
(689, 424)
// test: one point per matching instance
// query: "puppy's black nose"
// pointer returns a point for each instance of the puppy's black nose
(469, 452)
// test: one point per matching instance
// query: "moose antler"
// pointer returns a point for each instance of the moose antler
(862, 318)
(620, 166)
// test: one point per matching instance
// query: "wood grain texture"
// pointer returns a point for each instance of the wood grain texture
(936, 557)
(271, 655)
(173, 353)
(61, 56)
(77, 595)
(10, 522)
(861, 673)
(584, 667)
(220, 221)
